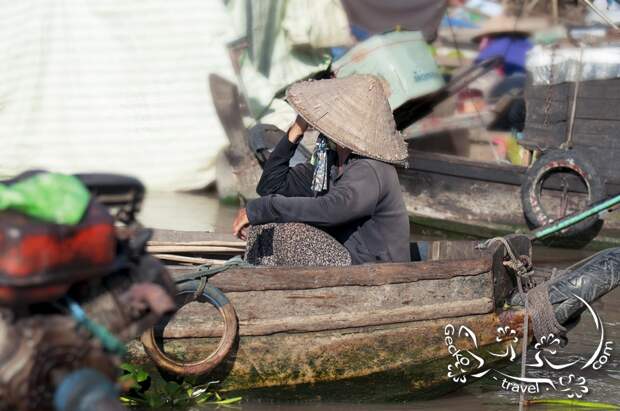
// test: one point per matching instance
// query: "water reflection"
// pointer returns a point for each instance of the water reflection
(186, 211)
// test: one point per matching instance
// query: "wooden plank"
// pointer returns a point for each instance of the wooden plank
(538, 136)
(442, 164)
(278, 304)
(558, 92)
(191, 249)
(160, 235)
(186, 259)
(597, 109)
(535, 112)
(342, 320)
(599, 89)
(462, 167)
(300, 278)
(217, 243)
(608, 89)
(226, 101)
(434, 125)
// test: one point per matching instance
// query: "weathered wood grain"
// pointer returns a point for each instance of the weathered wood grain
(161, 235)
(299, 278)
(289, 307)
(369, 363)
(339, 320)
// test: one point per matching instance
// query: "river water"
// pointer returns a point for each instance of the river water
(182, 211)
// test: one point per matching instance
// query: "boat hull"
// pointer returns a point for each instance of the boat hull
(372, 332)
(395, 362)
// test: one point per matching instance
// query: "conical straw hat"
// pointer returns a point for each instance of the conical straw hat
(506, 25)
(352, 111)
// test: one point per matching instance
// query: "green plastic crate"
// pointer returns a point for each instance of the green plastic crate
(402, 58)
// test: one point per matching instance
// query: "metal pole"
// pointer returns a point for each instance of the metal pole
(601, 14)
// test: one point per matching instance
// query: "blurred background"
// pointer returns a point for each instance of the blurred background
(169, 91)
(122, 86)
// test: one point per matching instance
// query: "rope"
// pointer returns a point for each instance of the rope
(520, 267)
(543, 317)
(524, 344)
(522, 271)
(569, 138)
(107, 339)
(207, 271)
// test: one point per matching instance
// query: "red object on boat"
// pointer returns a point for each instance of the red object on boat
(39, 261)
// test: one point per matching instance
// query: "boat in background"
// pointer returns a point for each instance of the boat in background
(465, 197)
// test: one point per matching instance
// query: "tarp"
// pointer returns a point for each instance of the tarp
(284, 41)
(568, 64)
(379, 16)
(116, 86)
(512, 49)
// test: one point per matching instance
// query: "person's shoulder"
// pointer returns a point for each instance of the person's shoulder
(368, 169)
(379, 167)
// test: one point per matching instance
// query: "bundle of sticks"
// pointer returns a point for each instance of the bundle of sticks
(193, 247)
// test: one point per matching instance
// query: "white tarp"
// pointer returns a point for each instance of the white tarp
(116, 86)
(549, 66)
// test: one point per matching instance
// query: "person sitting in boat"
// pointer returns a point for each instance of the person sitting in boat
(348, 198)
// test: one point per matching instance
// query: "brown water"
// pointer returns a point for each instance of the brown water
(202, 212)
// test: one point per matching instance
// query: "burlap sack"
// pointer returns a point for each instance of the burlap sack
(293, 244)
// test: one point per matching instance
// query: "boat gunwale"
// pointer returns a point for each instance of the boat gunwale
(256, 278)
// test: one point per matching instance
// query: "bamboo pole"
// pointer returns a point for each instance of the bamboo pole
(191, 249)
(601, 14)
(216, 243)
(555, 11)
(186, 259)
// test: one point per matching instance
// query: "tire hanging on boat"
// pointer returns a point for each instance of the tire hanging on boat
(191, 291)
(554, 161)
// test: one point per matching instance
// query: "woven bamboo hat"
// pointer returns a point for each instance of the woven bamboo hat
(506, 25)
(352, 111)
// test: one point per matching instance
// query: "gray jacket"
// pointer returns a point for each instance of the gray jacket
(363, 207)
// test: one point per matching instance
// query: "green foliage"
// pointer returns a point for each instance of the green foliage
(157, 393)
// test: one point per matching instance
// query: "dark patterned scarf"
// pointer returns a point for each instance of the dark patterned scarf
(320, 161)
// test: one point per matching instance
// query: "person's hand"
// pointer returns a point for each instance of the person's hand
(296, 132)
(240, 224)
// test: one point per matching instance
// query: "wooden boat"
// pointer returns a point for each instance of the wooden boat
(477, 199)
(369, 332)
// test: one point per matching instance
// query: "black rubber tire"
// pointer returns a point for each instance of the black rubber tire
(554, 161)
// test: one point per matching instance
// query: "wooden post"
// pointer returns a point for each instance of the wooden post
(555, 12)
(529, 7)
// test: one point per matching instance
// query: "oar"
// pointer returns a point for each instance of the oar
(572, 219)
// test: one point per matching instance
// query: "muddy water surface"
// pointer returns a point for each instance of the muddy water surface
(202, 212)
